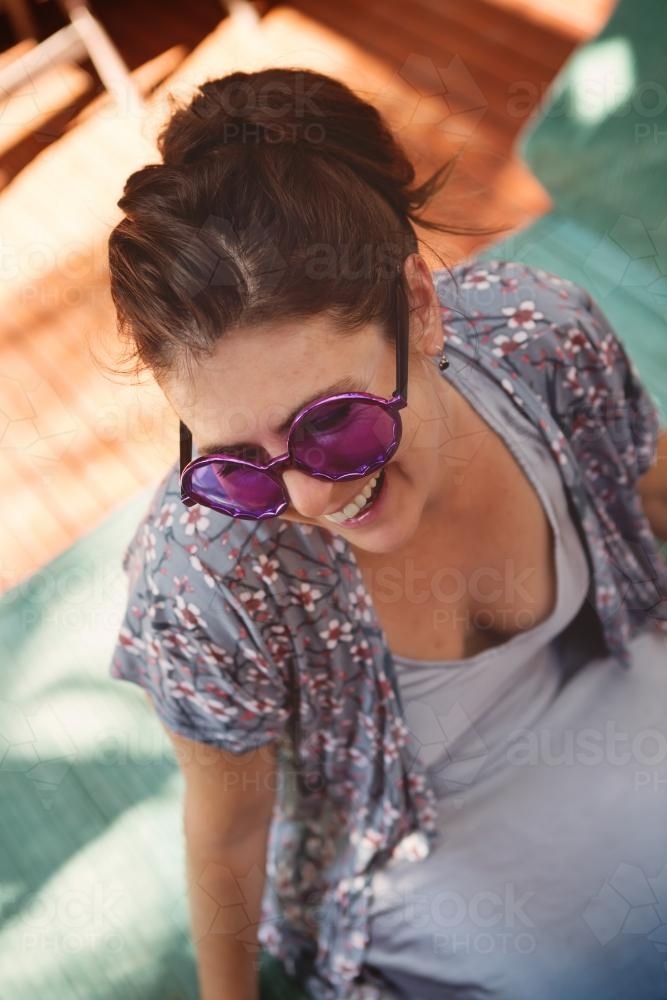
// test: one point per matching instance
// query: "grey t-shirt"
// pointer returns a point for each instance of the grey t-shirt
(550, 879)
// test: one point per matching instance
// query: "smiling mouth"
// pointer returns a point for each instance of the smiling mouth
(360, 502)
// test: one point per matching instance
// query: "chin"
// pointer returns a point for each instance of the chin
(398, 525)
(387, 541)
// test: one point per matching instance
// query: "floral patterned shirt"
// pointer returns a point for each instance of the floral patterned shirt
(248, 632)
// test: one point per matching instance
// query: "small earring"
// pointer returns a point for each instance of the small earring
(443, 363)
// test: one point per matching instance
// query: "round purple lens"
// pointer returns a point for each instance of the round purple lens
(345, 436)
(236, 487)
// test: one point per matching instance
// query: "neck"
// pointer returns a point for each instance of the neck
(456, 494)
(455, 490)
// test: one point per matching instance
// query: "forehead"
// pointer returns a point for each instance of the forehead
(256, 380)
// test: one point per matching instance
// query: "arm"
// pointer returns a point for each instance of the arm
(227, 815)
(652, 488)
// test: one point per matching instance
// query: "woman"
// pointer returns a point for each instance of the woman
(412, 581)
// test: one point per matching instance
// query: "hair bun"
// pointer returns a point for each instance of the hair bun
(272, 107)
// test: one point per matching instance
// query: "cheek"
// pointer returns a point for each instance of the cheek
(414, 437)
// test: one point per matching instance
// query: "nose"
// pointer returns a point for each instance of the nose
(310, 497)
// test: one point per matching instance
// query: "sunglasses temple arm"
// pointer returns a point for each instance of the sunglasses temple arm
(185, 456)
(185, 445)
(402, 335)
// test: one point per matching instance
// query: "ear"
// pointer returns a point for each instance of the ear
(426, 334)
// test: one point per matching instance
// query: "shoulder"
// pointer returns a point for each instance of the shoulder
(512, 293)
(516, 320)
(524, 326)
(522, 313)
(530, 326)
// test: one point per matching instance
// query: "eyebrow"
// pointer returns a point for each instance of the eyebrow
(347, 384)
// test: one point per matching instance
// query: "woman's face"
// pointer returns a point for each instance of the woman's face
(243, 393)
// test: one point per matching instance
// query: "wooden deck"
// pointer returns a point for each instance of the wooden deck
(74, 441)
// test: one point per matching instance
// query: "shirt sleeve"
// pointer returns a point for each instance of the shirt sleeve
(621, 404)
(192, 642)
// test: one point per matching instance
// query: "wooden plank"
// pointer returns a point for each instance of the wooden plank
(492, 25)
(574, 18)
(469, 86)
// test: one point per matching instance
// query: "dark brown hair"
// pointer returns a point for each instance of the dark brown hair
(281, 195)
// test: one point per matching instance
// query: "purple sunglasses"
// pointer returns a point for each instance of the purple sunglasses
(339, 437)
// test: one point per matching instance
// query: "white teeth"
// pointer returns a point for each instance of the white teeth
(355, 505)
(336, 518)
